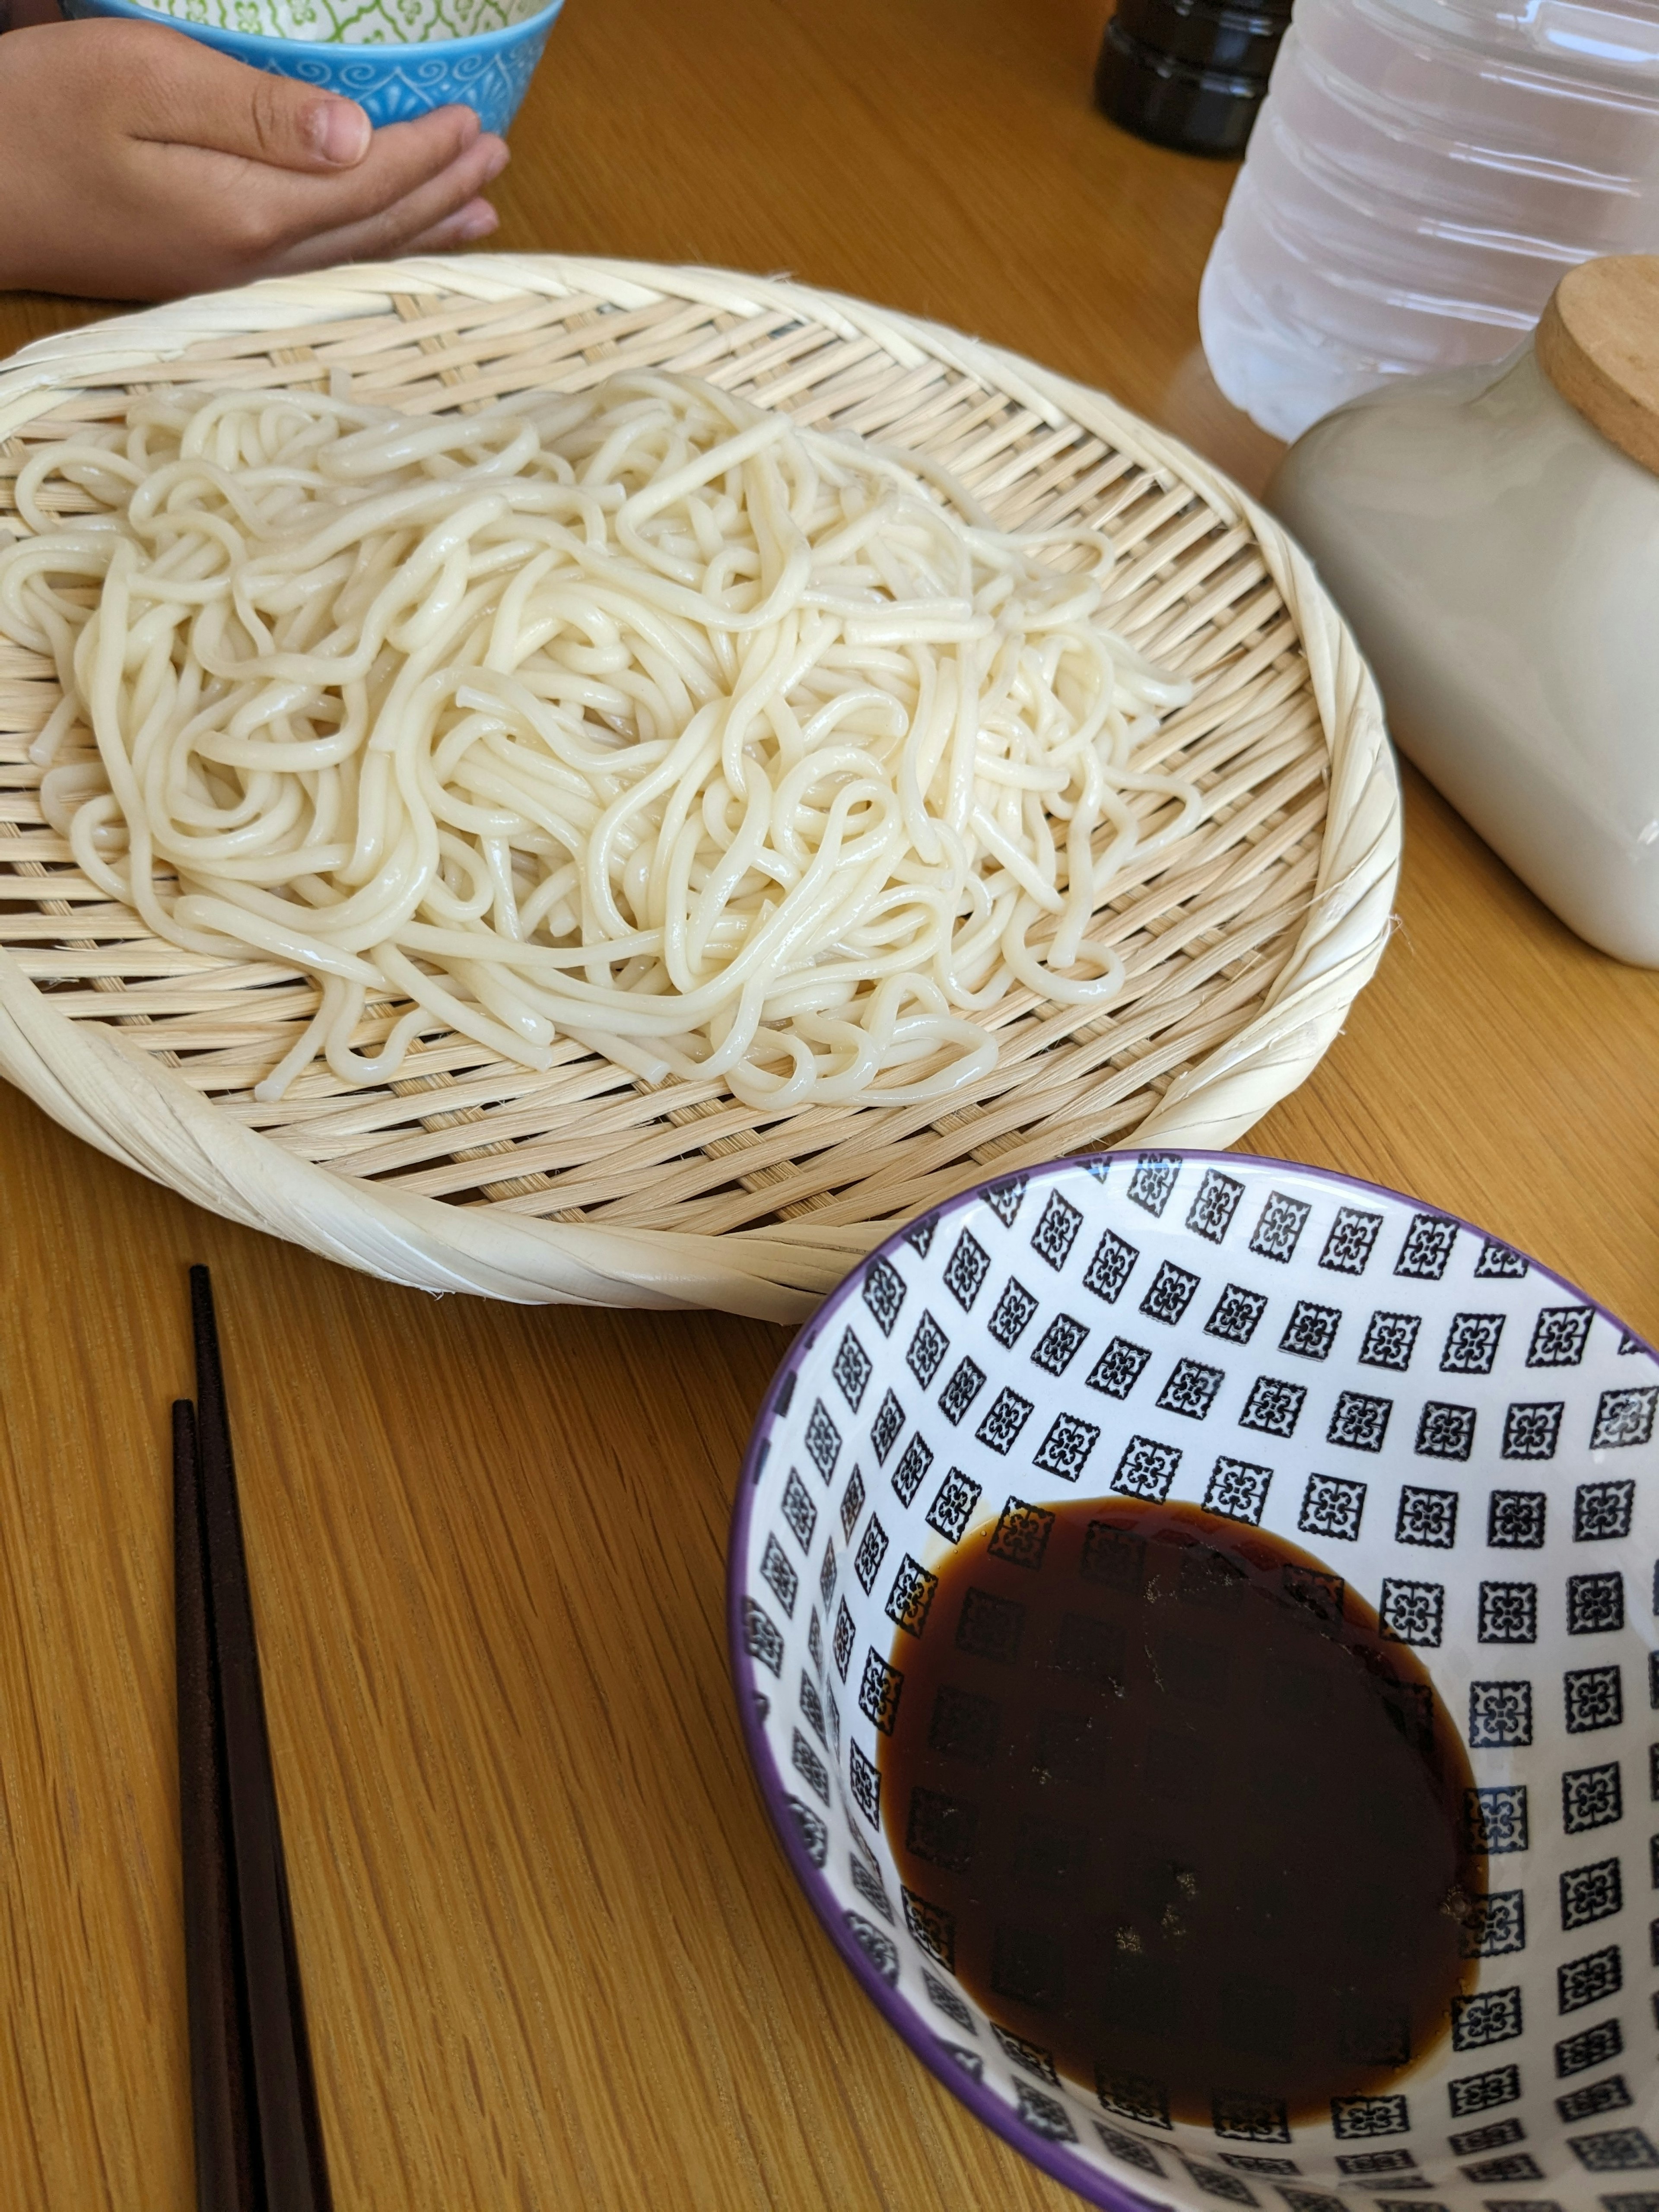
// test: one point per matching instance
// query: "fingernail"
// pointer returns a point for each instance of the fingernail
(498, 160)
(339, 132)
(477, 222)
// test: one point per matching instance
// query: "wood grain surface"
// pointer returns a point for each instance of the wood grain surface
(552, 1955)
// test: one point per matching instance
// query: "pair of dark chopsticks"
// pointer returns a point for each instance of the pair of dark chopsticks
(258, 2144)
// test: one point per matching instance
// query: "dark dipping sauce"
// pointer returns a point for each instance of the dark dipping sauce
(1174, 1811)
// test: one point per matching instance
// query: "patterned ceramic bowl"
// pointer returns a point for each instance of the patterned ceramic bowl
(393, 69)
(1460, 1434)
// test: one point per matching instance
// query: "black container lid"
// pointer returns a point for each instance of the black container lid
(1174, 102)
(1240, 39)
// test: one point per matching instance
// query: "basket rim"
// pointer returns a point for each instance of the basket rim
(106, 1090)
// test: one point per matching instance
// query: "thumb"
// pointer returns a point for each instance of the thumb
(191, 95)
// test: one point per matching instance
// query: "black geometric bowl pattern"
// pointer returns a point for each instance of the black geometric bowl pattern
(1462, 1437)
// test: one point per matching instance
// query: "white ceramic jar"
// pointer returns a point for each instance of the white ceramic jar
(1498, 555)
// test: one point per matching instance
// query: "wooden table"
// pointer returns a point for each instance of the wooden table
(552, 1954)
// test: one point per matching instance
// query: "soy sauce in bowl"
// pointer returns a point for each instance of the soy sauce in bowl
(1181, 1814)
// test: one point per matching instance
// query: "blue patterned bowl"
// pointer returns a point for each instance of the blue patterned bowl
(489, 74)
(1464, 1438)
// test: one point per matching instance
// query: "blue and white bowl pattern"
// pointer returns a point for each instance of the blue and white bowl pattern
(349, 22)
(1465, 1438)
(489, 74)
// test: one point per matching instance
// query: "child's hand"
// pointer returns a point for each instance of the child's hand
(137, 164)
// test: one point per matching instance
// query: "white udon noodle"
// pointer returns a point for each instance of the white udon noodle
(723, 747)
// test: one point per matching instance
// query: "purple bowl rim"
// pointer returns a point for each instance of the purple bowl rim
(1094, 2187)
(327, 49)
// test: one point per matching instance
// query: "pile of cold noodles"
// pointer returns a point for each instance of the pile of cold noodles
(643, 718)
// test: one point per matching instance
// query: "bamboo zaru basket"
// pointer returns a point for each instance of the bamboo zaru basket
(1244, 943)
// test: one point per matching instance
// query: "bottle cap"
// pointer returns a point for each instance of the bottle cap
(1240, 40)
(1598, 343)
(1171, 101)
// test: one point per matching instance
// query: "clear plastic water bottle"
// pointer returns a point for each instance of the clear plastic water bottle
(1421, 175)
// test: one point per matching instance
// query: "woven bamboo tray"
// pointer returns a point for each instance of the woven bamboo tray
(1245, 943)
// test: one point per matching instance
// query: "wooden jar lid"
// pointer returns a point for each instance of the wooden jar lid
(1598, 343)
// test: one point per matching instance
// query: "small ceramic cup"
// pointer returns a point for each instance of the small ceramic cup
(396, 58)
(1462, 1436)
